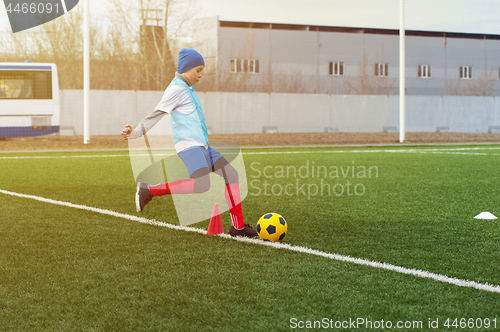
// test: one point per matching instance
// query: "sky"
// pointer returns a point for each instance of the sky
(472, 16)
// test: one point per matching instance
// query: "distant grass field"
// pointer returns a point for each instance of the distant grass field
(68, 269)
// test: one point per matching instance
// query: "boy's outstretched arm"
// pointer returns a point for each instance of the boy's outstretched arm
(128, 132)
(147, 123)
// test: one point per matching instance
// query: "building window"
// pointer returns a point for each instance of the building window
(336, 68)
(466, 72)
(381, 69)
(244, 66)
(234, 65)
(424, 71)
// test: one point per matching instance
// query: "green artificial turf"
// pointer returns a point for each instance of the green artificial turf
(67, 269)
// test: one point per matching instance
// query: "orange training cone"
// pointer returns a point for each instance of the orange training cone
(215, 227)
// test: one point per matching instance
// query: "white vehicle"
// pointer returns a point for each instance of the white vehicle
(29, 99)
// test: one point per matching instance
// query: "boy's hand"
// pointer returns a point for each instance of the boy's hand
(128, 132)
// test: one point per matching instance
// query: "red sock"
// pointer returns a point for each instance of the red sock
(183, 186)
(233, 200)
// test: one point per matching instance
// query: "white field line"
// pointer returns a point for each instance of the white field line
(278, 245)
(437, 151)
(65, 157)
(464, 153)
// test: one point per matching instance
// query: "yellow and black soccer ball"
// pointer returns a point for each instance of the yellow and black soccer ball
(272, 227)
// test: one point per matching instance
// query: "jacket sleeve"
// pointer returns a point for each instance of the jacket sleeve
(148, 122)
(167, 104)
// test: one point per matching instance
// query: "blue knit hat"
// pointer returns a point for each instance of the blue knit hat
(188, 59)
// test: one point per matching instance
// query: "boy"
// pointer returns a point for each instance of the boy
(190, 137)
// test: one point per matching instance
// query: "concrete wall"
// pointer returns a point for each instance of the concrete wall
(231, 112)
(109, 110)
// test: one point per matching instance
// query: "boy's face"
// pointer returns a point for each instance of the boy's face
(193, 74)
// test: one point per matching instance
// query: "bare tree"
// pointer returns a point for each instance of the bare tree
(291, 82)
(367, 83)
(483, 85)
(153, 27)
(131, 53)
(58, 41)
(243, 78)
(237, 79)
(61, 42)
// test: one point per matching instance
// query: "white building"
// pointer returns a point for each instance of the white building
(267, 57)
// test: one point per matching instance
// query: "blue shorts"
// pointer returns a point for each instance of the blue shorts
(197, 157)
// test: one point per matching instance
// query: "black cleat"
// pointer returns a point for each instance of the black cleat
(143, 196)
(245, 231)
